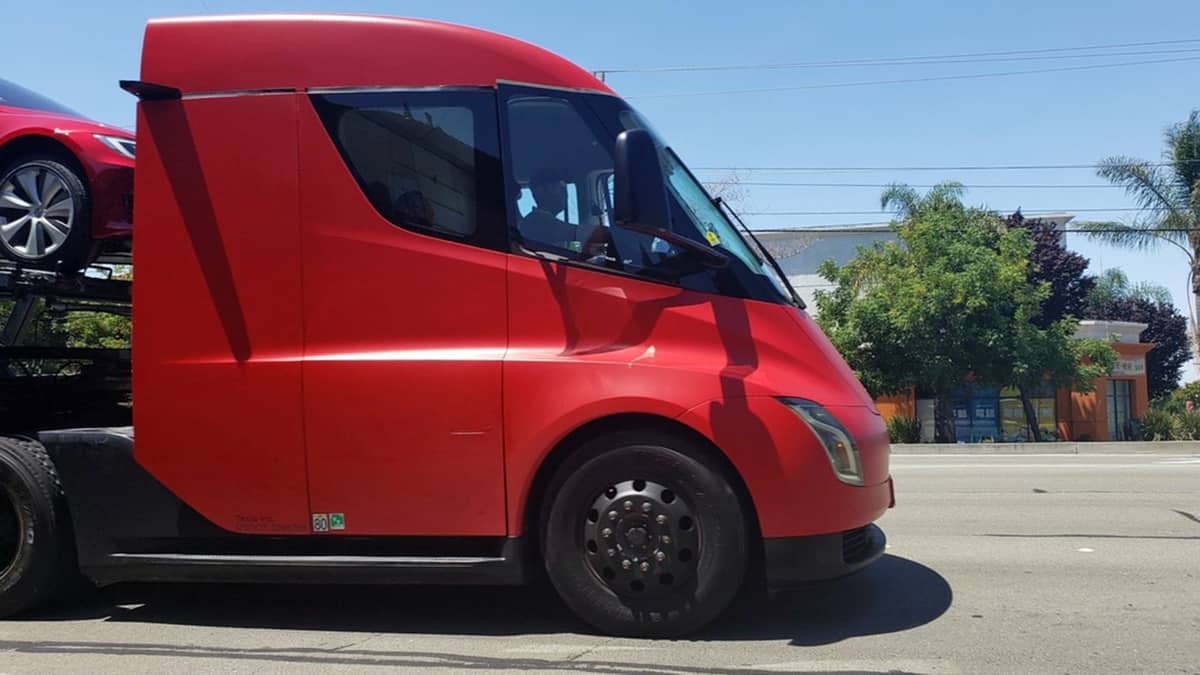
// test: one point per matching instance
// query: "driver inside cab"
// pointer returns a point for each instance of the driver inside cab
(543, 224)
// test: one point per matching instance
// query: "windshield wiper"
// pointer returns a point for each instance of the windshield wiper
(762, 251)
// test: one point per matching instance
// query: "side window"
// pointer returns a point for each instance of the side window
(553, 153)
(425, 160)
(561, 185)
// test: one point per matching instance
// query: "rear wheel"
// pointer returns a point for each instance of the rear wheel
(36, 558)
(44, 213)
(644, 536)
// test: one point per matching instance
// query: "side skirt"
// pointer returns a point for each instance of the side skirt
(508, 569)
(129, 527)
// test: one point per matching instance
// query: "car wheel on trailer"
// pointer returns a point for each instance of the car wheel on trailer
(36, 557)
(644, 535)
(44, 213)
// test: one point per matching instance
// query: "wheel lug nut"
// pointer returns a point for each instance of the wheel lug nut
(626, 564)
(612, 515)
(647, 506)
(661, 519)
(660, 556)
(666, 539)
(645, 567)
(628, 505)
(612, 552)
(606, 532)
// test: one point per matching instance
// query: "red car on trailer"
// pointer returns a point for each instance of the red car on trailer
(426, 304)
(65, 183)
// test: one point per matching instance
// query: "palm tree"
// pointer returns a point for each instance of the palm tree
(908, 203)
(1169, 195)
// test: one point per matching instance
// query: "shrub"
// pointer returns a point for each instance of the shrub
(1189, 427)
(1159, 425)
(903, 429)
(1177, 400)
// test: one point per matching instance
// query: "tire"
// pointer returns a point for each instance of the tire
(668, 499)
(69, 216)
(36, 553)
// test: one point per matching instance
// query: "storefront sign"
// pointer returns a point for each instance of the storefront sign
(1130, 367)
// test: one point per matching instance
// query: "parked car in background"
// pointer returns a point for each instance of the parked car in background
(66, 183)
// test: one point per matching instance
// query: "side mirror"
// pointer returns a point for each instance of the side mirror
(640, 196)
(639, 192)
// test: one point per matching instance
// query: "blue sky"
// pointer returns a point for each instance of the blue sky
(1053, 118)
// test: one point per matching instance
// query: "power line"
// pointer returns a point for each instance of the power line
(876, 226)
(897, 60)
(1027, 212)
(886, 185)
(864, 228)
(889, 63)
(914, 80)
(850, 230)
(977, 167)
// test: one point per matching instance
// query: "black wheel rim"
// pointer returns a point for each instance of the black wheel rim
(641, 539)
(10, 532)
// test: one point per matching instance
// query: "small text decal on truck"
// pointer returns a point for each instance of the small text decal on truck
(324, 522)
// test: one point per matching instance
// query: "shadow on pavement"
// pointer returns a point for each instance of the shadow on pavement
(892, 595)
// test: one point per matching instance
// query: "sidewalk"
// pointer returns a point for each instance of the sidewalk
(1064, 448)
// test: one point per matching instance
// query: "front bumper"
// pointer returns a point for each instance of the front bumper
(792, 561)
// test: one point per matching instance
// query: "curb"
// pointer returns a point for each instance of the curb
(1066, 448)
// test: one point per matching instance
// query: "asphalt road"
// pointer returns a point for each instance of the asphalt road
(1018, 564)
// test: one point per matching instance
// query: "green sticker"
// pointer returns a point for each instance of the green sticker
(337, 521)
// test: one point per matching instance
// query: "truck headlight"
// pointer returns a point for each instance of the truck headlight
(839, 446)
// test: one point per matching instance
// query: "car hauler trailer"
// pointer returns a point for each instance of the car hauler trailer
(418, 303)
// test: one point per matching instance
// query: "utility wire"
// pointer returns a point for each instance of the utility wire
(1026, 212)
(913, 80)
(894, 60)
(890, 63)
(927, 186)
(863, 228)
(977, 167)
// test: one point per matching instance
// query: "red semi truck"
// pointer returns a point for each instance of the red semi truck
(419, 303)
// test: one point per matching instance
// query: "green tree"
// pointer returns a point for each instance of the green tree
(76, 328)
(1113, 285)
(951, 300)
(1169, 196)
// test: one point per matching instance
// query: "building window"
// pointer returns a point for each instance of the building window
(985, 414)
(1120, 405)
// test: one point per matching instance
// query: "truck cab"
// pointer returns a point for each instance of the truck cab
(420, 303)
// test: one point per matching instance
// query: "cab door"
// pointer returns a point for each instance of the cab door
(404, 312)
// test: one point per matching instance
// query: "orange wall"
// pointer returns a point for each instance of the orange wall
(1084, 416)
(1081, 416)
(897, 405)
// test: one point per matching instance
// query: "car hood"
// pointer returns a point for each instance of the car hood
(66, 123)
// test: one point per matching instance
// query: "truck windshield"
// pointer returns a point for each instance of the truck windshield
(561, 159)
(19, 97)
(716, 228)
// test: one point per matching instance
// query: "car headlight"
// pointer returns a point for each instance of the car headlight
(119, 144)
(834, 437)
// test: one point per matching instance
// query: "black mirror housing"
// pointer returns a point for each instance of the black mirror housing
(639, 190)
(640, 196)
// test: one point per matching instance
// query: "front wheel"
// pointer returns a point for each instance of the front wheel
(644, 536)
